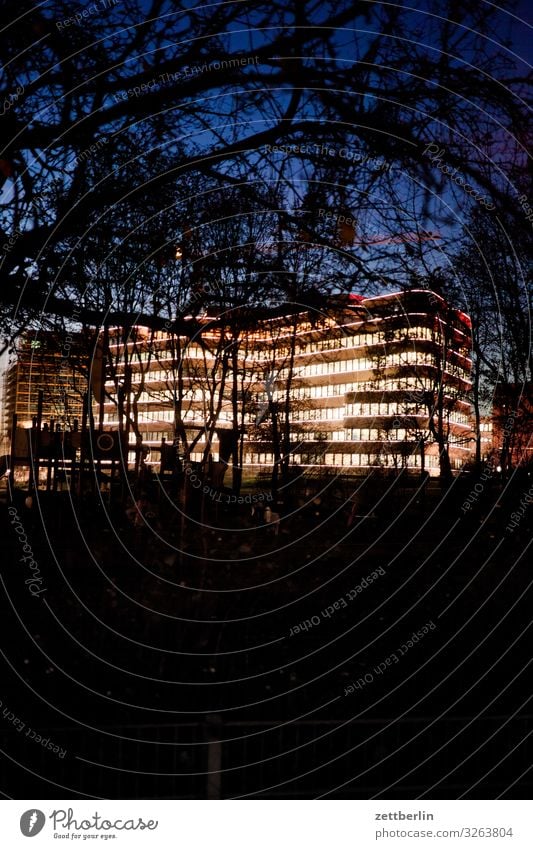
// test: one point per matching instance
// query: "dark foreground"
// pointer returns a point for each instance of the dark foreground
(388, 656)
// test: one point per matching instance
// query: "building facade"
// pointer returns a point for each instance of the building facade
(359, 384)
(39, 365)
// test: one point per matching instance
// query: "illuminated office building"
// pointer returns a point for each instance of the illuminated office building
(359, 384)
(41, 365)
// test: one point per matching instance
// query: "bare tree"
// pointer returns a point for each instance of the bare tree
(84, 105)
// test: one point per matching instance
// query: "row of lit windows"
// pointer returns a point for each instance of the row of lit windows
(408, 384)
(157, 416)
(348, 342)
(142, 356)
(349, 459)
(352, 435)
(333, 367)
(325, 391)
(400, 409)
(315, 414)
(336, 436)
(459, 418)
(362, 364)
(357, 434)
(197, 457)
(403, 384)
(159, 374)
(319, 369)
(363, 459)
(188, 351)
(259, 458)
(47, 384)
(376, 338)
(457, 371)
(345, 459)
(318, 436)
(167, 396)
(227, 416)
(157, 436)
(381, 337)
(304, 415)
(396, 408)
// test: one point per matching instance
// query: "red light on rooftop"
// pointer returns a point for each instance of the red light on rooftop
(466, 318)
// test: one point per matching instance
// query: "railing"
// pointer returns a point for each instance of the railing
(215, 759)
